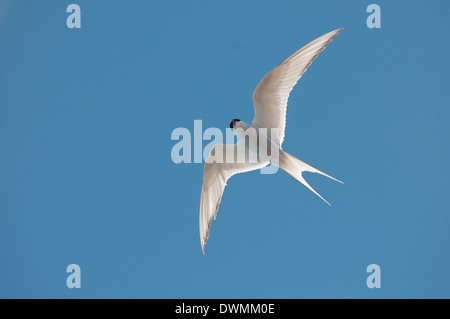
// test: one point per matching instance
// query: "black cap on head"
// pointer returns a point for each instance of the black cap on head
(231, 123)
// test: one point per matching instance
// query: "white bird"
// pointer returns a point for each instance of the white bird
(270, 100)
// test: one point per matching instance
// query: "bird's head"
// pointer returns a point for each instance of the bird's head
(233, 123)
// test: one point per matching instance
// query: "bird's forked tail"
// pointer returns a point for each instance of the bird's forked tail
(295, 167)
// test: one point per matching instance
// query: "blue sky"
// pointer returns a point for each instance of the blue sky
(86, 117)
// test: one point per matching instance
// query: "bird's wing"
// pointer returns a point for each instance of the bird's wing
(215, 176)
(271, 95)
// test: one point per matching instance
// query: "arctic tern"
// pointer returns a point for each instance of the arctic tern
(270, 101)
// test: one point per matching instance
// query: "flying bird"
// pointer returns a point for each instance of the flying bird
(270, 101)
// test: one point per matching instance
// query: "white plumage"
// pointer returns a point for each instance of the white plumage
(270, 101)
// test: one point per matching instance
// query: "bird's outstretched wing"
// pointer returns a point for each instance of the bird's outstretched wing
(271, 95)
(215, 176)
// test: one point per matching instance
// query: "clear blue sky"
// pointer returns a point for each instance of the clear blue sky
(86, 175)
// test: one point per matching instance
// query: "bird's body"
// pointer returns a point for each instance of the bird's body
(253, 137)
(260, 142)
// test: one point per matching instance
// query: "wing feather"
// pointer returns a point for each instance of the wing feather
(271, 95)
(215, 177)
